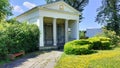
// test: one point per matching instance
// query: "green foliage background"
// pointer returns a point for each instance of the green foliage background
(17, 37)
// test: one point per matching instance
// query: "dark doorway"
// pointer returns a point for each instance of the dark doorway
(60, 34)
(48, 34)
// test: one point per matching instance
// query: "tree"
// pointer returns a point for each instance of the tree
(109, 15)
(77, 4)
(5, 9)
(13, 21)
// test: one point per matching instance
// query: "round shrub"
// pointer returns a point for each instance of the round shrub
(105, 44)
(100, 42)
(103, 38)
(95, 42)
(78, 47)
(82, 42)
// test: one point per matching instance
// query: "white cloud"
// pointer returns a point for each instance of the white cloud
(18, 9)
(29, 5)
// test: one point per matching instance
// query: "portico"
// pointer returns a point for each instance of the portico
(58, 23)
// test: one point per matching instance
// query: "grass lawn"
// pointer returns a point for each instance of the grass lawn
(102, 59)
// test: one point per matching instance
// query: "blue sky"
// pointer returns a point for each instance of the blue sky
(89, 12)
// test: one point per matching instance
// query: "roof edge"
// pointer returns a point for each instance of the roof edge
(37, 7)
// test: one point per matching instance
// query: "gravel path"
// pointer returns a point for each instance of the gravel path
(45, 60)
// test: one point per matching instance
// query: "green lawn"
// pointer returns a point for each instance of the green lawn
(102, 59)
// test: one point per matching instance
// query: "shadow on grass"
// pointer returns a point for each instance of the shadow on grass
(92, 52)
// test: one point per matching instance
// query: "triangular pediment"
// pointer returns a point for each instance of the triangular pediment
(62, 6)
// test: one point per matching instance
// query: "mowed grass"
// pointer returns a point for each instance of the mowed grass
(102, 59)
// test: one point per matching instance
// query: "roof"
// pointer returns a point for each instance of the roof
(42, 6)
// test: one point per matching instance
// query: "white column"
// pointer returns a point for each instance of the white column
(77, 24)
(66, 30)
(41, 28)
(54, 32)
(75, 30)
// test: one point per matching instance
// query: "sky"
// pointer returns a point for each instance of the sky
(89, 13)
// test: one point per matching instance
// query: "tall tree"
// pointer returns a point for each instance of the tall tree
(109, 14)
(5, 9)
(77, 4)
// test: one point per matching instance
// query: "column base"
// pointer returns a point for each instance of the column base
(55, 44)
(48, 48)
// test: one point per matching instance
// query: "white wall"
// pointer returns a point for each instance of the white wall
(74, 30)
(93, 32)
(30, 17)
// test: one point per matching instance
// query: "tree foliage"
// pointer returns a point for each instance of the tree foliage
(108, 14)
(5, 9)
(16, 37)
(77, 4)
(13, 21)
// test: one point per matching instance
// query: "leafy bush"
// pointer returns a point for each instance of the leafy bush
(78, 47)
(17, 37)
(100, 42)
(82, 42)
(105, 44)
(104, 39)
(82, 35)
(114, 39)
(84, 46)
(3, 47)
(96, 43)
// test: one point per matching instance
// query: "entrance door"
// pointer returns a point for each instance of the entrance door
(48, 34)
(60, 34)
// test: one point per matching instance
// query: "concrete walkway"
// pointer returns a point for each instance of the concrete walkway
(45, 60)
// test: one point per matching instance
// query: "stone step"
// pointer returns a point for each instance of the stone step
(49, 48)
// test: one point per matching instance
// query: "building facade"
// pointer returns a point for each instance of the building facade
(54, 21)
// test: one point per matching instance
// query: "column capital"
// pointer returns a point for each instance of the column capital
(67, 19)
(54, 17)
(40, 16)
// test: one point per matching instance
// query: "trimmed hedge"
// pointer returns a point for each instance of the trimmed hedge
(17, 37)
(105, 44)
(85, 46)
(78, 47)
(100, 43)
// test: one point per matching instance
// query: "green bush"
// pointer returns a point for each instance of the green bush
(100, 43)
(82, 35)
(81, 42)
(78, 47)
(3, 46)
(17, 37)
(96, 43)
(105, 44)
(104, 39)
(85, 46)
(114, 38)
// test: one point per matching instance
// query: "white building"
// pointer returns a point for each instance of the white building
(53, 21)
(92, 32)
